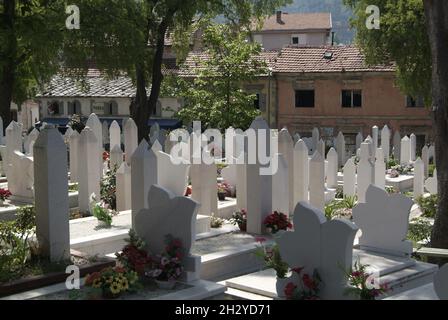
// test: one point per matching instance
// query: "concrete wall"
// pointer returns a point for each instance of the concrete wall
(276, 41)
(382, 103)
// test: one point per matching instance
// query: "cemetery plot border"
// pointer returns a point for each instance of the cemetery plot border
(35, 282)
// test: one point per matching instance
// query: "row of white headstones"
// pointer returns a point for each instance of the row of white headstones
(155, 167)
(157, 202)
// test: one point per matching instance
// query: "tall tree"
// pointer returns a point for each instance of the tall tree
(216, 96)
(130, 36)
(413, 34)
(31, 35)
(436, 17)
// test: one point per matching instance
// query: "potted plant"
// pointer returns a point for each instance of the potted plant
(112, 282)
(240, 218)
(168, 265)
(277, 221)
(272, 259)
(4, 195)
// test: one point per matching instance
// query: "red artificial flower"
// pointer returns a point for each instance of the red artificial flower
(308, 282)
(289, 290)
(260, 239)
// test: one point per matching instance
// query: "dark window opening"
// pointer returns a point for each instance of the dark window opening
(351, 98)
(305, 99)
(257, 101)
(295, 40)
(415, 103)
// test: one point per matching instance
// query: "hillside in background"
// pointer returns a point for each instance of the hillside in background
(340, 15)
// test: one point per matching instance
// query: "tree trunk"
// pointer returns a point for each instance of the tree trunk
(7, 77)
(139, 110)
(436, 12)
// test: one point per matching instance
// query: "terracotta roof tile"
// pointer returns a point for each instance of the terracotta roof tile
(314, 60)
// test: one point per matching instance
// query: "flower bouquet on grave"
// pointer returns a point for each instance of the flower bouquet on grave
(277, 221)
(240, 218)
(134, 256)
(4, 195)
(112, 282)
(223, 191)
(168, 265)
(101, 211)
(362, 283)
(308, 287)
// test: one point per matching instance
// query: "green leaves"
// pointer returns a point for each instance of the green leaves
(402, 39)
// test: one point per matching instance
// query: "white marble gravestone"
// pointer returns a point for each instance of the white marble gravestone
(441, 283)
(431, 183)
(365, 172)
(332, 172)
(105, 130)
(419, 178)
(143, 176)
(74, 156)
(21, 177)
(94, 123)
(340, 148)
(124, 186)
(350, 178)
(384, 221)
(321, 148)
(88, 173)
(301, 172)
(413, 139)
(359, 140)
(296, 138)
(425, 159)
(229, 174)
(130, 139)
(67, 134)
(286, 148)
(380, 169)
(29, 139)
(375, 133)
(13, 143)
(171, 176)
(385, 142)
(259, 187)
(169, 215)
(51, 201)
(316, 244)
(116, 157)
(115, 135)
(280, 187)
(397, 146)
(317, 181)
(204, 187)
(405, 153)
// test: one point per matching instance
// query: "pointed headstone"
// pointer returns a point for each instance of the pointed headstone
(431, 184)
(88, 173)
(105, 130)
(375, 132)
(116, 157)
(405, 153)
(359, 140)
(317, 181)
(340, 148)
(143, 176)
(413, 139)
(94, 123)
(350, 178)
(124, 188)
(332, 172)
(115, 135)
(365, 172)
(286, 148)
(29, 139)
(385, 142)
(74, 156)
(280, 189)
(380, 169)
(301, 172)
(130, 139)
(419, 178)
(51, 200)
(315, 138)
(432, 154)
